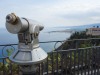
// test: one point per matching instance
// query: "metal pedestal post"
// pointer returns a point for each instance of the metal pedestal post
(29, 74)
(28, 69)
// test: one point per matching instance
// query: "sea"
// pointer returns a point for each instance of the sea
(46, 35)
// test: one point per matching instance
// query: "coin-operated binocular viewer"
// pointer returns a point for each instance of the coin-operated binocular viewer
(29, 52)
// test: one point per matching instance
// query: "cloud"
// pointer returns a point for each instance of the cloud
(53, 12)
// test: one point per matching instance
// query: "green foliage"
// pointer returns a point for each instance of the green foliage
(9, 51)
(8, 65)
(53, 58)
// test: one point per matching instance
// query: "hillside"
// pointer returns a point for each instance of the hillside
(81, 44)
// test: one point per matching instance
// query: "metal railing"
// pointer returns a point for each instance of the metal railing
(73, 57)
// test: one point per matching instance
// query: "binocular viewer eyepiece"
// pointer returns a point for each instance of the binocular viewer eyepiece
(11, 18)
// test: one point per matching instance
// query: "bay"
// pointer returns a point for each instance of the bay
(45, 35)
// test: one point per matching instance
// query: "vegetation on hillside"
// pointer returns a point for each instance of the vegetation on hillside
(75, 42)
(81, 35)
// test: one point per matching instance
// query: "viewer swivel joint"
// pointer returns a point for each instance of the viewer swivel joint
(29, 52)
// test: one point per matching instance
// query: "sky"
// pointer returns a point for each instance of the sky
(53, 13)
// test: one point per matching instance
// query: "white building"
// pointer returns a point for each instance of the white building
(93, 31)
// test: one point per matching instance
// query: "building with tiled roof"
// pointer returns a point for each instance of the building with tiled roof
(93, 31)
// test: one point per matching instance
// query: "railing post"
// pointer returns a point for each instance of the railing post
(47, 66)
(52, 63)
(57, 62)
(70, 52)
(3, 66)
